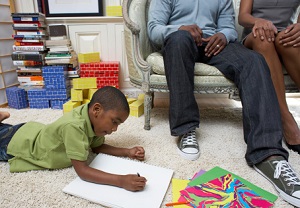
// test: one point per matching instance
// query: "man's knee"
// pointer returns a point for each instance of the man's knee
(259, 65)
(180, 38)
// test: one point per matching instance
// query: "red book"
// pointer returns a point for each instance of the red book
(20, 43)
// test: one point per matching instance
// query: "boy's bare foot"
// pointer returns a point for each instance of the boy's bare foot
(4, 115)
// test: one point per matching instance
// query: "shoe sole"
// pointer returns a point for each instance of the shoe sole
(292, 200)
(187, 156)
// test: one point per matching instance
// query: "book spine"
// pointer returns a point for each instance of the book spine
(27, 63)
(28, 52)
(28, 48)
(29, 37)
(30, 14)
(29, 41)
(56, 55)
(25, 19)
(17, 43)
(29, 68)
(31, 32)
(33, 57)
(27, 25)
(73, 72)
(28, 28)
(28, 22)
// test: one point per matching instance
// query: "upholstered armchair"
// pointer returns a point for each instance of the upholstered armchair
(146, 67)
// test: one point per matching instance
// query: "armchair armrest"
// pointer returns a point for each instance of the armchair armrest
(133, 27)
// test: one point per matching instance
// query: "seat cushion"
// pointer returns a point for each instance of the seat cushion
(157, 63)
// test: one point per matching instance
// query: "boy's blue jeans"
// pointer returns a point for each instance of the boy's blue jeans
(6, 133)
(250, 73)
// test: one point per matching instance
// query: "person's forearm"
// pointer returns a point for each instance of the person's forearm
(100, 177)
(131, 182)
(110, 150)
(247, 20)
(93, 175)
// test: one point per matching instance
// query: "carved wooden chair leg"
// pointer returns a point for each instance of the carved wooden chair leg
(148, 103)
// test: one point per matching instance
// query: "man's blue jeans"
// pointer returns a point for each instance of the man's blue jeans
(6, 133)
(250, 73)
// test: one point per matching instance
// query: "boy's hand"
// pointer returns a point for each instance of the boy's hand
(132, 182)
(137, 153)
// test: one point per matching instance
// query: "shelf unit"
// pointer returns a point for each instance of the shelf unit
(8, 73)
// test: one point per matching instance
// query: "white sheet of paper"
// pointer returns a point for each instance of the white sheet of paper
(158, 180)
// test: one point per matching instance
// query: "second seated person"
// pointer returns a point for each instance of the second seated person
(269, 30)
(190, 31)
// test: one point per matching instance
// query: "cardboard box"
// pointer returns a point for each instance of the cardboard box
(89, 57)
(137, 108)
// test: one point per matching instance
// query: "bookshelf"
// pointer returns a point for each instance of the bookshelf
(8, 74)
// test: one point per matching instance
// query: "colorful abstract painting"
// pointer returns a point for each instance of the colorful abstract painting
(223, 192)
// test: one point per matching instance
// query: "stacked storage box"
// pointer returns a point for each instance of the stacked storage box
(136, 106)
(16, 97)
(106, 72)
(37, 98)
(114, 8)
(81, 93)
(56, 92)
(57, 85)
(114, 11)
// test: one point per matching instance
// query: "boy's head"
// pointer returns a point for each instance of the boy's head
(108, 108)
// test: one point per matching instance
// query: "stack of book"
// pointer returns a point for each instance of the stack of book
(29, 48)
(60, 51)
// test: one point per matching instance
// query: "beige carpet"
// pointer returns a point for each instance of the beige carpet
(221, 142)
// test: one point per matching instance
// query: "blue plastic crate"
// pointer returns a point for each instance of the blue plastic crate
(57, 104)
(37, 94)
(39, 103)
(58, 94)
(57, 82)
(55, 71)
(16, 97)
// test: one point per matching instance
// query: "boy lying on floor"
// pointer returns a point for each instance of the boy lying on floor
(66, 142)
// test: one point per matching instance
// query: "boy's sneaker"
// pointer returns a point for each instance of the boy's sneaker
(188, 146)
(285, 180)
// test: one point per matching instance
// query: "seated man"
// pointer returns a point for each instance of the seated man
(204, 31)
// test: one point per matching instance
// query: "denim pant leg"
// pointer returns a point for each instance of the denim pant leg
(261, 114)
(179, 54)
(6, 133)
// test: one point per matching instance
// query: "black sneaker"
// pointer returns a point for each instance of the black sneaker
(188, 146)
(284, 179)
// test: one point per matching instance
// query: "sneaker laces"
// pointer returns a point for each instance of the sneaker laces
(284, 169)
(189, 139)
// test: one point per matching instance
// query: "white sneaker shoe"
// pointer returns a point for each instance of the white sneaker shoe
(188, 146)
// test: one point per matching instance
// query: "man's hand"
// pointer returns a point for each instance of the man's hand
(215, 44)
(137, 153)
(195, 31)
(291, 36)
(132, 182)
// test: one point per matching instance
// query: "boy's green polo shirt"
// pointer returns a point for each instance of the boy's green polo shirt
(38, 146)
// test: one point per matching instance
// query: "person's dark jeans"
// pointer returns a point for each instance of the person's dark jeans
(6, 133)
(250, 73)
